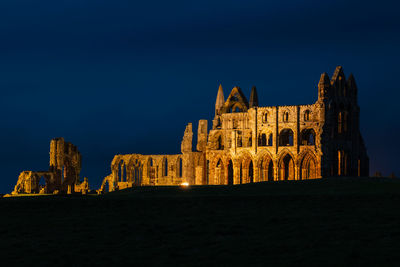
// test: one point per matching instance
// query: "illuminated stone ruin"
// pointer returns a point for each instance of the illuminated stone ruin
(249, 143)
(62, 176)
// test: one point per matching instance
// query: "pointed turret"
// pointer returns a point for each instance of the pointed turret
(351, 82)
(323, 85)
(253, 97)
(220, 100)
(352, 86)
(338, 82)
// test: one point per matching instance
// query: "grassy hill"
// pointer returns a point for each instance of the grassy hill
(309, 223)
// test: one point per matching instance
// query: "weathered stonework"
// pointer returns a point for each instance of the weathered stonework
(62, 176)
(248, 143)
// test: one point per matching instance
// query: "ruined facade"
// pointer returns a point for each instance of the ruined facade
(249, 143)
(62, 176)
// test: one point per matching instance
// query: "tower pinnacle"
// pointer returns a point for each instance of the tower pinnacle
(220, 99)
(253, 97)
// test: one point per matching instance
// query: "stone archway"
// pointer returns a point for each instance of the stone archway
(219, 172)
(286, 168)
(308, 169)
(246, 169)
(265, 168)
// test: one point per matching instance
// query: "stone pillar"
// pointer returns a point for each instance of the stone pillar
(186, 145)
(199, 175)
(217, 176)
(276, 171)
(256, 173)
(202, 135)
(236, 175)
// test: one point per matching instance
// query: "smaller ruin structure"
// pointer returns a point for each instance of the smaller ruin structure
(62, 176)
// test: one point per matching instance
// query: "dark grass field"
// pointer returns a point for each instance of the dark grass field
(332, 222)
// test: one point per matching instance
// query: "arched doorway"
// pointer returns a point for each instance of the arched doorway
(266, 169)
(246, 169)
(308, 168)
(286, 168)
(230, 172)
(219, 173)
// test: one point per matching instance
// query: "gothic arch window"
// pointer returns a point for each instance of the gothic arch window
(308, 137)
(286, 137)
(218, 123)
(235, 108)
(285, 116)
(270, 140)
(220, 146)
(262, 140)
(151, 173)
(286, 168)
(180, 167)
(265, 117)
(307, 115)
(165, 167)
(308, 168)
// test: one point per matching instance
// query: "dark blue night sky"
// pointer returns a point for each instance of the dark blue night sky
(118, 77)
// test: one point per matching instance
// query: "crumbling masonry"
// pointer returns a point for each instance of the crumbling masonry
(249, 143)
(62, 176)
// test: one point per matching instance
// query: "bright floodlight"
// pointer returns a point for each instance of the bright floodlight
(185, 184)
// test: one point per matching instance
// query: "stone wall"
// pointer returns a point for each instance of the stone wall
(248, 143)
(62, 176)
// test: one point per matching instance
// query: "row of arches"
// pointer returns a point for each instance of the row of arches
(247, 170)
(285, 116)
(133, 171)
(285, 138)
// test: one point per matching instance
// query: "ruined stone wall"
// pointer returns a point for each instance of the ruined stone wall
(248, 143)
(147, 170)
(251, 141)
(343, 147)
(62, 176)
(289, 142)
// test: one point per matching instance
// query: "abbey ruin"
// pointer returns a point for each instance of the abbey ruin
(62, 176)
(249, 143)
(246, 144)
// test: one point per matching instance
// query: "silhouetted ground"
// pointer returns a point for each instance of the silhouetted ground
(350, 222)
